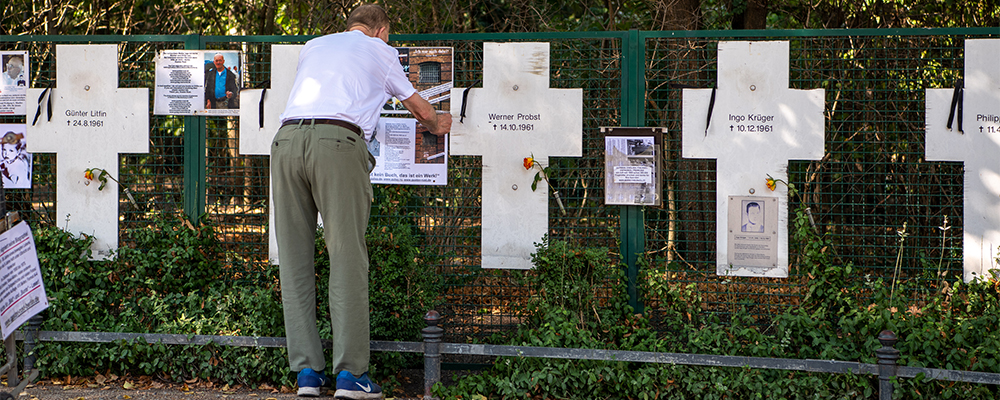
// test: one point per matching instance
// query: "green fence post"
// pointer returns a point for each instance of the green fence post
(633, 239)
(194, 154)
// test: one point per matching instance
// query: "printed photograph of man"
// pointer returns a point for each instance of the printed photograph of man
(753, 217)
(222, 81)
(13, 71)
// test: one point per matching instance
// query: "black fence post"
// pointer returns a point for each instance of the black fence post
(30, 341)
(10, 347)
(432, 352)
(887, 357)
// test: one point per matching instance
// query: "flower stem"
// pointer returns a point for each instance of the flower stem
(559, 201)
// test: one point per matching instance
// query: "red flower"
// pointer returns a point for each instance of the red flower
(528, 162)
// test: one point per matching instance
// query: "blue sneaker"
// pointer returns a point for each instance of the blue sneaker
(311, 381)
(352, 388)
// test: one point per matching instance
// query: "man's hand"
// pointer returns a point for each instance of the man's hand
(229, 94)
(443, 123)
(438, 124)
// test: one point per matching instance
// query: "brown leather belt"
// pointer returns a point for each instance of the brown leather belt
(323, 121)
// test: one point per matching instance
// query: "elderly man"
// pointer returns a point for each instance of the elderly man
(13, 71)
(320, 163)
(220, 85)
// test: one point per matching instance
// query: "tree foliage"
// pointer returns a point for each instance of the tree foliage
(307, 17)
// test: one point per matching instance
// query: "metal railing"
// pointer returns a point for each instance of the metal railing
(432, 348)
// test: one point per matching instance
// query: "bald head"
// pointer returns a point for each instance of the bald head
(368, 16)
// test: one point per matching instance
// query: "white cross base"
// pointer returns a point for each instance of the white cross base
(92, 122)
(758, 124)
(257, 140)
(978, 147)
(513, 116)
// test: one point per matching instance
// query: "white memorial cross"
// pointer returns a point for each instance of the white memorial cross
(93, 121)
(978, 146)
(757, 125)
(513, 116)
(255, 139)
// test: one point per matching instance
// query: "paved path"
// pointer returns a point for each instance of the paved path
(88, 390)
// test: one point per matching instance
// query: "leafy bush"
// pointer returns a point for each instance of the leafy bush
(170, 279)
(955, 329)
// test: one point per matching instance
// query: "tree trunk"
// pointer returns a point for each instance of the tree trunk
(754, 16)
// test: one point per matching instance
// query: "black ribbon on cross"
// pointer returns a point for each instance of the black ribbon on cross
(38, 110)
(465, 99)
(260, 106)
(711, 106)
(711, 101)
(957, 98)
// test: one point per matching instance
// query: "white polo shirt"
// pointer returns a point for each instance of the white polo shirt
(347, 76)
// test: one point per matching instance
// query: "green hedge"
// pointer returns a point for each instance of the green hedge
(170, 279)
(957, 327)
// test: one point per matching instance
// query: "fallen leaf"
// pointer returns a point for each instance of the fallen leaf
(125, 396)
(225, 388)
(128, 385)
(185, 388)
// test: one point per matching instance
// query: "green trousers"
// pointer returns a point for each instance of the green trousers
(323, 169)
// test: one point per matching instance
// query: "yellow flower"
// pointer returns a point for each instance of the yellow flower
(771, 183)
(528, 162)
(89, 174)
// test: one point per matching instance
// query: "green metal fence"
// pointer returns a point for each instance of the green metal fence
(872, 180)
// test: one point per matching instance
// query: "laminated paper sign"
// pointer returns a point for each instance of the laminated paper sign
(753, 234)
(198, 82)
(14, 81)
(23, 294)
(632, 165)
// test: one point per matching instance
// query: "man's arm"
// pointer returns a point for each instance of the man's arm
(231, 87)
(438, 124)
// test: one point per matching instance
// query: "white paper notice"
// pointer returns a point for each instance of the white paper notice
(23, 294)
(180, 82)
(198, 82)
(630, 170)
(633, 174)
(407, 154)
(14, 82)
